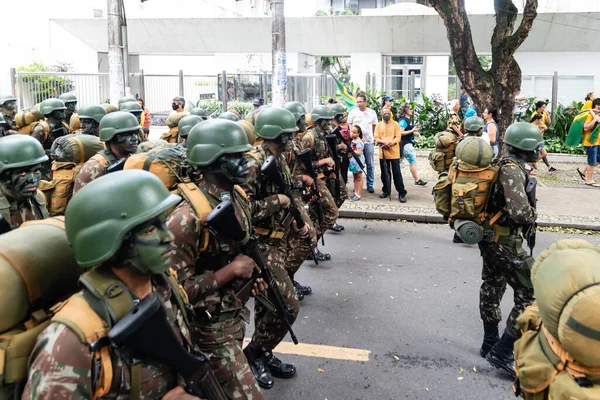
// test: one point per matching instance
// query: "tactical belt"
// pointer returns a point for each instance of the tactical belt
(204, 318)
(267, 232)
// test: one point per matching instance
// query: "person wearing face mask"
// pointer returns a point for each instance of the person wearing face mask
(90, 117)
(323, 164)
(21, 158)
(119, 131)
(211, 267)
(8, 109)
(116, 227)
(178, 104)
(504, 259)
(270, 209)
(388, 136)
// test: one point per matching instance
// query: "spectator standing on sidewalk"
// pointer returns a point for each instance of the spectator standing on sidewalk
(592, 147)
(537, 120)
(387, 136)
(407, 142)
(358, 146)
(491, 129)
(366, 118)
(388, 101)
(588, 105)
(454, 120)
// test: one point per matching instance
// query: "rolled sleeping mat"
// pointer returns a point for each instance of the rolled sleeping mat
(469, 231)
(75, 148)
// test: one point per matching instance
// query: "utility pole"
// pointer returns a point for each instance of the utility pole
(279, 74)
(115, 51)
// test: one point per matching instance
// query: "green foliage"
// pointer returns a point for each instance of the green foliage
(211, 106)
(43, 87)
(240, 107)
(431, 117)
(321, 13)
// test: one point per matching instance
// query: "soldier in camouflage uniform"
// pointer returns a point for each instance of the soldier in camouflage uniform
(323, 164)
(136, 110)
(504, 259)
(90, 117)
(185, 126)
(52, 128)
(338, 117)
(20, 174)
(276, 126)
(119, 131)
(70, 101)
(131, 254)
(4, 127)
(8, 109)
(211, 268)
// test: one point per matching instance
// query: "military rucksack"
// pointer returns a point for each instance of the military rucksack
(165, 163)
(69, 154)
(461, 195)
(445, 145)
(171, 135)
(26, 117)
(558, 355)
(28, 129)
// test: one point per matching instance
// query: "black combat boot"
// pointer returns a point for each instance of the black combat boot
(302, 290)
(336, 227)
(490, 337)
(319, 256)
(456, 238)
(258, 366)
(501, 356)
(278, 368)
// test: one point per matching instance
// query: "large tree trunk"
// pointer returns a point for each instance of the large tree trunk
(494, 88)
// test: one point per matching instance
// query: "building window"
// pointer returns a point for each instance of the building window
(403, 60)
(98, 13)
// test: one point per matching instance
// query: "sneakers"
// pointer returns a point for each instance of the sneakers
(420, 182)
(402, 199)
(356, 198)
(552, 170)
(384, 195)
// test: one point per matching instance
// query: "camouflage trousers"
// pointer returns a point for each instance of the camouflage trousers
(297, 248)
(269, 328)
(343, 191)
(330, 209)
(223, 342)
(504, 264)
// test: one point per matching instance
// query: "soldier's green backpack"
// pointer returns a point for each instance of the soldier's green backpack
(558, 356)
(441, 158)
(461, 195)
(37, 270)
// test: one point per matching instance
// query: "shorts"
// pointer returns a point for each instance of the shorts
(408, 152)
(593, 155)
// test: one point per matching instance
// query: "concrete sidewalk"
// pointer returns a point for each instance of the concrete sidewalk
(563, 199)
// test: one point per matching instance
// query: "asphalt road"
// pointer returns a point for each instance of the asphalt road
(410, 296)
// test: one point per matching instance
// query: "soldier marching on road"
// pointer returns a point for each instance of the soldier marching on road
(504, 259)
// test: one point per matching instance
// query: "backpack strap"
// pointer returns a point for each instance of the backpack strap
(40, 202)
(105, 157)
(107, 295)
(201, 205)
(5, 209)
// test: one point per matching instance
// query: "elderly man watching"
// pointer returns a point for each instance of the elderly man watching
(387, 136)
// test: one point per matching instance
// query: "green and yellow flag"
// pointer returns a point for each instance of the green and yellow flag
(347, 95)
(576, 130)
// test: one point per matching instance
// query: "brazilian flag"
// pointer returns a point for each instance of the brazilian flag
(347, 95)
(576, 130)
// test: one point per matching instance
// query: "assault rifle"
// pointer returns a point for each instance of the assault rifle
(529, 230)
(271, 172)
(146, 332)
(4, 225)
(348, 145)
(223, 221)
(332, 143)
(118, 166)
(304, 156)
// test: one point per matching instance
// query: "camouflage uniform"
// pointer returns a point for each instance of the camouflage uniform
(315, 140)
(268, 215)
(498, 257)
(55, 372)
(93, 168)
(222, 333)
(18, 212)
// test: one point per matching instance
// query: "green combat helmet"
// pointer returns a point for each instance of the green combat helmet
(132, 107)
(249, 129)
(213, 138)
(6, 98)
(93, 111)
(199, 111)
(17, 151)
(474, 125)
(50, 105)
(186, 124)
(70, 100)
(117, 122)
(523, 136)
(121, 201)
(337, 109)
(125, 99)
(295, 108)
(229, 115)
(474, 151)
(320, 112)
(273, 122)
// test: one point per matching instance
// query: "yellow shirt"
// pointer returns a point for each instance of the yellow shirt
(587, 105)
(545, 117)
(389, 131)
(586, 134)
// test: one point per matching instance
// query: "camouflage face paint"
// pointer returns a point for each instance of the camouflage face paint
(127, 141)
(71, 106)
(89, 127)
(24, 182)
(151, 247)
